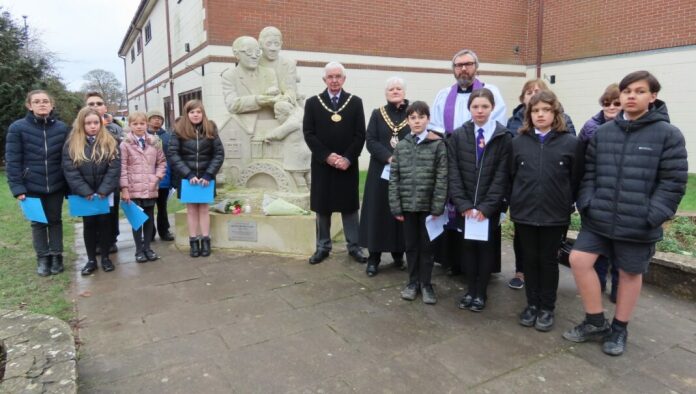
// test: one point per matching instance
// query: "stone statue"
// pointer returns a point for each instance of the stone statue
(271, 41)
(264, 143)
(249, 88)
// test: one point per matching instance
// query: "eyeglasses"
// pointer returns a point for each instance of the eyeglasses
(463, 65)
(252, 52)
(95, 104)
(609, 104)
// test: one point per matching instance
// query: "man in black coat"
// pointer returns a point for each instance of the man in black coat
(334, 129)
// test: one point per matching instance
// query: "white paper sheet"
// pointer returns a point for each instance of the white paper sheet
(475, 230)
(111, 199)
(435, 226)
(386, 171)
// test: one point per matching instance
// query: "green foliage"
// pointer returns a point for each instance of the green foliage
(20, 287)
(680, 236)
(688, 203)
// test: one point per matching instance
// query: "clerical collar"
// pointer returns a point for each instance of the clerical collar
(467, 90)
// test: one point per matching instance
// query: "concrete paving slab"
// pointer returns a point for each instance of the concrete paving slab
(237, 322)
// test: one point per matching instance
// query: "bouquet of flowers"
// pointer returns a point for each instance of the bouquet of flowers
(228, 206)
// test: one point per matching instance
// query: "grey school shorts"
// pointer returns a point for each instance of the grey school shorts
(632, 257)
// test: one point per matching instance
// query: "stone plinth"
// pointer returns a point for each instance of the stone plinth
(260, 233)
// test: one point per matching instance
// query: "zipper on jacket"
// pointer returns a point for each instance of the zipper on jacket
(48, 187)
(618, 177)
(197, 148)
(541, 173)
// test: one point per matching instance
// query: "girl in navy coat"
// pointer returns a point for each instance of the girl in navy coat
(545, 170)
(92, 167)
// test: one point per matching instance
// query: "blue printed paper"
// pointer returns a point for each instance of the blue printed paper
(80, 206)
(134, 214)
(197, 194)
(33, 209)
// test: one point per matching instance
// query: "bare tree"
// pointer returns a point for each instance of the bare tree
(105, 82)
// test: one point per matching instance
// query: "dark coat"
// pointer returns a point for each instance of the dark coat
(483, 187)
(545, 178)
(198, 157)
(635, 176)
(379, 231)
(418, 177)
(517, 119)
(90, 177)
(589, 128)
(33, 154)
(334, 190)
(165, 136)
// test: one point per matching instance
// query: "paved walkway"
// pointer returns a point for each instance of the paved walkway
(260, 323)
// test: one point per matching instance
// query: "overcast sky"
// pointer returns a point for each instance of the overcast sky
(84, 34)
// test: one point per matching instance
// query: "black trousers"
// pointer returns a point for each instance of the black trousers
(539, 246)
(478, 260)
(97, 231)
(376, 257)
(517, 248)
(419, 251)
(47, 238)
(143, 235)
(447, 249)
(113, 214)
(162, 218)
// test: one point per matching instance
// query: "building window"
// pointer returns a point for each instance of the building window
(132, 55)
(148, 32)
(187, 96)
(139, 45)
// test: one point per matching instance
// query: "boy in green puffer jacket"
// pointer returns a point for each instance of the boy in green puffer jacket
(417, 189)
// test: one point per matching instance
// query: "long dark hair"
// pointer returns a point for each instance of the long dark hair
(548, 97)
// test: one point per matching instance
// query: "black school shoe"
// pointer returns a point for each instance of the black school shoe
(107, 265)
(465, 302)
(477, 305)
(151, 255)
(585, 331)
(529, 316)
(90, 267)
(140, 258)
(615, 343)
(544, 321)
(57, 264)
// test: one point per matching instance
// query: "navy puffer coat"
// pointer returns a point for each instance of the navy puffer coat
(33, 151)
(635, 177)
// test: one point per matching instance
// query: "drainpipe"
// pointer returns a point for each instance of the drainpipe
(540, 30)
(172, 116)
(125, 74)
(142, 58)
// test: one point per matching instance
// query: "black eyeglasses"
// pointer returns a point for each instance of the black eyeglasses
(463, 65)
(95, 104)
(610, 103)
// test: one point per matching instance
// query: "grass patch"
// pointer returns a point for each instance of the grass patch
(680, 236)
(688, 203)
(20, 287)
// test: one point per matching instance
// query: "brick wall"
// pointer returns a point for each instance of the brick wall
(591, 28)
(407, 28)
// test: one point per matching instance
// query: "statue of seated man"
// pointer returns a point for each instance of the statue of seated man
(249, 88)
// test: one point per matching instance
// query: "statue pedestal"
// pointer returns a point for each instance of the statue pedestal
(260, 233)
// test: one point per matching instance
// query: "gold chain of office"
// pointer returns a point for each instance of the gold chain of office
(335, 117)
(394, 128)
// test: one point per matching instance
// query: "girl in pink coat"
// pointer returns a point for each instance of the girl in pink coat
(143, 165)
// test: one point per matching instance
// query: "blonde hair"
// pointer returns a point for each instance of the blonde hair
(105, 146)
(132, 117)
(187, 130)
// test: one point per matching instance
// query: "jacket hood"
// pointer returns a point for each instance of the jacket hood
(49, 120)
(656, 113)
(518, 112)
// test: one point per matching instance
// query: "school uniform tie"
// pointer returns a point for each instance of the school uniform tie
(90, 139)
(480, 145)
(142, 143)
(334, 102)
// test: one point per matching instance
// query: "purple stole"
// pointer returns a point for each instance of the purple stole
(452, 100)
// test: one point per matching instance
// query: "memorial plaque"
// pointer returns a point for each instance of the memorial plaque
(242, 231)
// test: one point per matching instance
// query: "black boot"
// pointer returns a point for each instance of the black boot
(56, 264)
(89, 267)
(43, 266)
(195, 246)
(205, 246)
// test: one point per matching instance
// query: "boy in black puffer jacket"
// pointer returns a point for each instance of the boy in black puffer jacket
(417, 189)
(635, 176)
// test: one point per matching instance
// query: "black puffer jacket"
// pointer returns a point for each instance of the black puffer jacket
(635, 177)
(545, 178)
(33, 155)
(198, 157)
(484, 187)
(90, 177)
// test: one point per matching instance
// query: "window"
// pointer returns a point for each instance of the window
(139, 45)
(185, 97)
(132, 55)
(148, 32)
